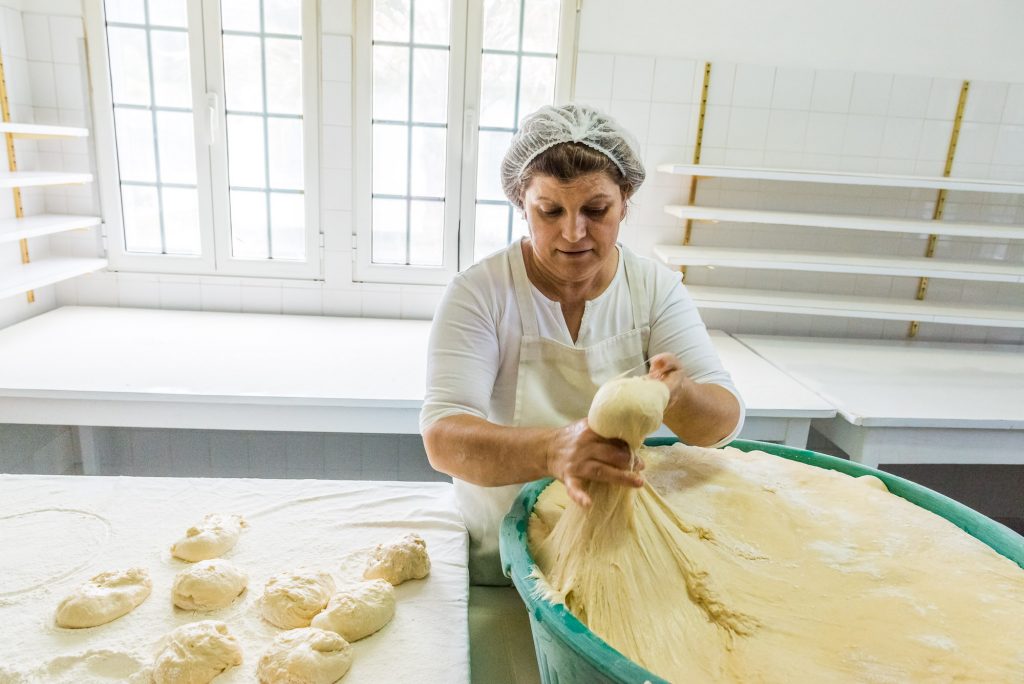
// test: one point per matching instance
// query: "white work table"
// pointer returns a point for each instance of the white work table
(910, 401)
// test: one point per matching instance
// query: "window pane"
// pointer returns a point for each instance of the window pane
(172, 84)
(537, 85)
(240, 15)
(491, 229)
(249, 225)
(430, 86)
(181, 220)
(520, 228)
(428, 161)
(388, 236)
(242, 75)
(432, 21)
(168, 13)
(246, 163)
(426, 233)
(498, 91)
(141, 219)
(391, 20)
(129, 70)
(282, 16)
(288, 223)
(488, 173)
(390, 159)
(177, 153)
(285, 137)
(540, 26)
(126, 11)
(134, 132)
(390, 83)
(284, 76)
(501, 24)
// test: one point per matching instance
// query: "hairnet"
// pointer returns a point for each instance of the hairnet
(550, 126)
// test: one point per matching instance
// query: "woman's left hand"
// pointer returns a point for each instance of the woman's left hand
(669, 369)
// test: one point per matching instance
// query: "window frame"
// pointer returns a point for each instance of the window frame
(460, 177)
(209, 125)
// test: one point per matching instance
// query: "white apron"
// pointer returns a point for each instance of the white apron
(554, 387)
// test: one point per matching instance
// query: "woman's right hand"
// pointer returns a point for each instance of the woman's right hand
(577, 455)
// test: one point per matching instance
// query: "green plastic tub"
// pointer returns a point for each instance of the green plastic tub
(568, 652)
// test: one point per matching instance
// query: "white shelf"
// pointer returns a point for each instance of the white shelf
(888, 225)
(844, 178)
(825, 262)
(23, 130)
(15, 229)
(24, 179)
(45, 272)
(854, 307)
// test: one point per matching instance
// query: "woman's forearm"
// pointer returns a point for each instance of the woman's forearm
(702, 414)
(475, 450)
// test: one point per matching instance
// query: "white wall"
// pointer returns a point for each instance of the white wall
(976, 39)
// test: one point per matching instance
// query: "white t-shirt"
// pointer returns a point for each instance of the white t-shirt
(473, 360)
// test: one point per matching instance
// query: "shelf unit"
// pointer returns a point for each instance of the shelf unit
(21, 130)
(44, 272)
(12, 230)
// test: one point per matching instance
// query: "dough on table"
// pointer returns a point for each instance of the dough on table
(291, 599)
(105, 597)
(305, 656)
(403, 559)
(215, 535)
(208, 585)
(196, 653)
(358, 610)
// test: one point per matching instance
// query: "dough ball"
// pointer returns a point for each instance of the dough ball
(873, 482)
(208, 585)
(305, 656)
(291, 599)
(358, 610)
(215, 535)
(403, 559)
(196, 653)
(628, 409)
(105, 597)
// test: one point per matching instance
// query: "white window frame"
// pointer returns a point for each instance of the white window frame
(207, 76)
(460, 172)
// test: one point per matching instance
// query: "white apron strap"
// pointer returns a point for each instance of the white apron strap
(638, 297)
(524, 295)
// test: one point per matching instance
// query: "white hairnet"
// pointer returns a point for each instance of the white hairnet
(573, 123)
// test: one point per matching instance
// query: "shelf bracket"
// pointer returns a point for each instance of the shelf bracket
(688, 231)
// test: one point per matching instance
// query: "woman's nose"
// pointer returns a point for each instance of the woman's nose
(575, 228)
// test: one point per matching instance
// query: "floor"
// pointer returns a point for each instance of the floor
(500, 642)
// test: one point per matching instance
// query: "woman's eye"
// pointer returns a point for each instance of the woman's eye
(596, 211)
(552, 212)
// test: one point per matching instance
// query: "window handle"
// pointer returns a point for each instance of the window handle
(213, 112)
(469, 131)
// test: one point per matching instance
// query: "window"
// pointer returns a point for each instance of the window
(442, 87)
(206, 129)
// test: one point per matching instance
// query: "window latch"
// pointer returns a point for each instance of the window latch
(213, 122)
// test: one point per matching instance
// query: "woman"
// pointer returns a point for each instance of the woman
(523, 339)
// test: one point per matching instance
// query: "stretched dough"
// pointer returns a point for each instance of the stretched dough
(208, 585)
(628, 409)
(196, 653)
(305, 656)
(403, 559)
(105, 597)
(291, 599)
(358, 610)
(214, 536)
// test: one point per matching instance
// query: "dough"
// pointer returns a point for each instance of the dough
(291, 599)
(208, 585)
(358, 610)
(196, 653)
(403, 559)
(628, 409)
(873, 482)
(105, 597)
(305, 656)
(214, 536)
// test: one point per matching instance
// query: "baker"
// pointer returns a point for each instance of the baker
(522, 340)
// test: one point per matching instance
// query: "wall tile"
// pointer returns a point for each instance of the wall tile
(669, 124)
(748, 128)
(260, 299)
(910, 96)
(302, 300)
(871, 93)
(673, 80)
(337, 57)
(985, 102)
(786, 130)
(37, 37)
(633, 78)
(41, 82)
(753, 85)
(65, 33)
(831, 91)
(594, 74)
(792, 88)
(337, 103)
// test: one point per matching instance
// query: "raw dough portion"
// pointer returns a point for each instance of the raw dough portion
(874, 482)
(291, 599)
(403, 559)
(196, 653)
(208, 585)
(628, 409)
(358, 610)
(105, 597)
(215, 535)
(305, 656)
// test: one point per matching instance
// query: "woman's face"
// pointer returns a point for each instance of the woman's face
(573, 224)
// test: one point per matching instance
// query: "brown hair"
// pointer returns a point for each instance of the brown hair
(569, 161)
